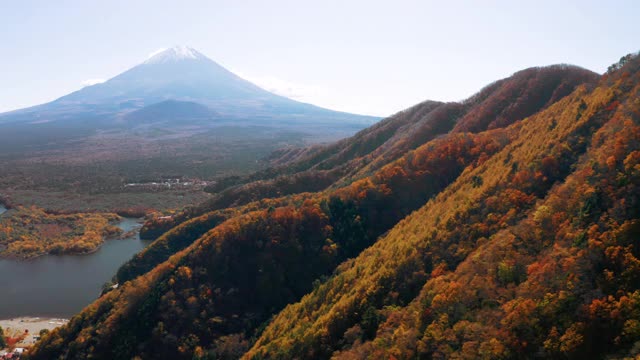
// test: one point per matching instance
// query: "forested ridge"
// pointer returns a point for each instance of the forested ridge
(504, 226)
(331, 166)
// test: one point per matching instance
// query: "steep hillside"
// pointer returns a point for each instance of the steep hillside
(320, 167)
(273, 255)
(514, 266)
(426, 253)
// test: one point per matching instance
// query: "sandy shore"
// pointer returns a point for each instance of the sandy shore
(32, 324)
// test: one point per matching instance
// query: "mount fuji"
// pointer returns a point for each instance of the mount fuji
(176, 87)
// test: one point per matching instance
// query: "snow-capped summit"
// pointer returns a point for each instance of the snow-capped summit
(173, 54)
(178, 73)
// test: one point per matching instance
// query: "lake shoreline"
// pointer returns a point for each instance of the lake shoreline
(88, 252)
(33, 325)
(125, 235)
(60, 286)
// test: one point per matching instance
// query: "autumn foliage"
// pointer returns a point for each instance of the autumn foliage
(501, 227)
(27, 232)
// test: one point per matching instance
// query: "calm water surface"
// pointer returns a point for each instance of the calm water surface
(60, 286)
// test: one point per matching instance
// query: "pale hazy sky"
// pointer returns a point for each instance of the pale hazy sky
(371, 57)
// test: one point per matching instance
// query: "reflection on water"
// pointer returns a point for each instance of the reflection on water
(60, 286)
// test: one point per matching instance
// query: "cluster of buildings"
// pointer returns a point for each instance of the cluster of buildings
(15, 354)
(170, 183)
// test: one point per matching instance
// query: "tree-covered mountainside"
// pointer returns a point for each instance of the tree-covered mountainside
(331, 166)
(530, 254)
(504, 226)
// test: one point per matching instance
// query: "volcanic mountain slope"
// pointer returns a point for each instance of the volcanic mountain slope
(521, 246)
(169, 111)
(180, 91)
(180, 74)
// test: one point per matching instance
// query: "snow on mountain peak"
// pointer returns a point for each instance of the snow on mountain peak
(173, 54)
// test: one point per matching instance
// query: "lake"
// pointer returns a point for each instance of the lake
(61, 286)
